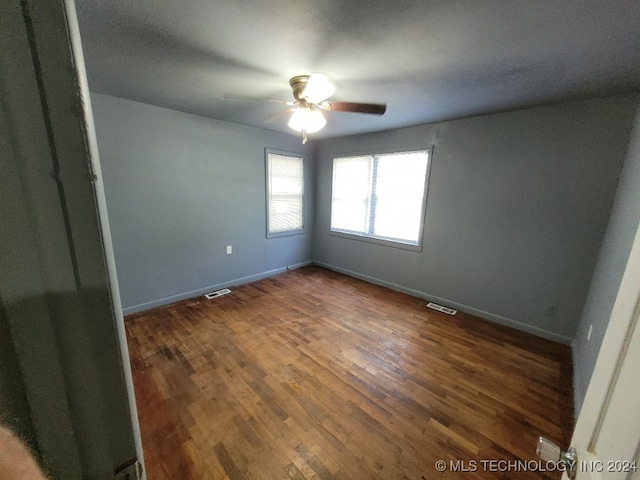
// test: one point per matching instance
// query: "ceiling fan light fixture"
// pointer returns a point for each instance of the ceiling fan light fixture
(307, 119)
(318, 88)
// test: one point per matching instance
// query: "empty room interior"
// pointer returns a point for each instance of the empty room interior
(314, 240)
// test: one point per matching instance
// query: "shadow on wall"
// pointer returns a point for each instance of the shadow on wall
(75, 375)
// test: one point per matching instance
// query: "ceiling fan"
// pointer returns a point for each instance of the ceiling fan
(311, 93)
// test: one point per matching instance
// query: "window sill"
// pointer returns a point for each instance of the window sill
(377, 241)
(289, 233)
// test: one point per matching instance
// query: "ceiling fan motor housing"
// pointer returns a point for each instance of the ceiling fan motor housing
(299, 84)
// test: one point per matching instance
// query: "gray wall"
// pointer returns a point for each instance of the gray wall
(612, 260)
(180, 188)
(517, 208)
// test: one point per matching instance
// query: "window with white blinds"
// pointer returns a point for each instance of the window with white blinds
(380, 196)
(285, 194)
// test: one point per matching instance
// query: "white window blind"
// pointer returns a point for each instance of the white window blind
(380, 196)
(285, 193)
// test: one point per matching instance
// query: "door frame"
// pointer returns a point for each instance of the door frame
(623, 324)
(103, 218)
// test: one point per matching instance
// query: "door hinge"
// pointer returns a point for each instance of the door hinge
(550, 452)
(131, 471)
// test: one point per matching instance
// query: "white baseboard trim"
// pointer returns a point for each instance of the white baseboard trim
(578, 388)
(201, 291)
(458, 306)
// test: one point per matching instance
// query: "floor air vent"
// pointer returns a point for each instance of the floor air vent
(440, 308)
(217, 293)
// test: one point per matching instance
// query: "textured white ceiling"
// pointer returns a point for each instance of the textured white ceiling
(428, 60)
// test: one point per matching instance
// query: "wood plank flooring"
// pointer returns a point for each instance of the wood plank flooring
(314, 375)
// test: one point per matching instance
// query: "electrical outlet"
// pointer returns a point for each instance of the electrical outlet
(229, 249)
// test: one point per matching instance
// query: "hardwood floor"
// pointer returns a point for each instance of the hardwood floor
(314, 375)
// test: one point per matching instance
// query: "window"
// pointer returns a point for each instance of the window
(380, 196)
(285, 194)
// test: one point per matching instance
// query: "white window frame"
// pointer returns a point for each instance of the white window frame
(369, 236)
(269, 153)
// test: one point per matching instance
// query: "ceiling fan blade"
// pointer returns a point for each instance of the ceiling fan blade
(233, 96)
(276, 116)
(372, 108)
